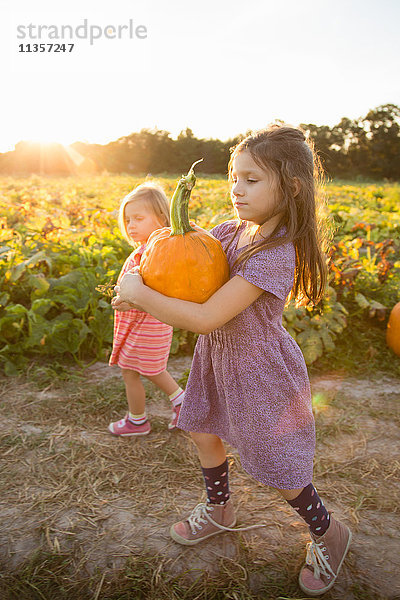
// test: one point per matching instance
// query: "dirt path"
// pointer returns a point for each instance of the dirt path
(69, 487)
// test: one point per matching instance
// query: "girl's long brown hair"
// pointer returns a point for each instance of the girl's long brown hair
(285, 151)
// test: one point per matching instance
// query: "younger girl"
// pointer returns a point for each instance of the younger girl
(248, 383)
(141, 343)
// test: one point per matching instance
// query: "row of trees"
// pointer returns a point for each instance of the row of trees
(368, 147)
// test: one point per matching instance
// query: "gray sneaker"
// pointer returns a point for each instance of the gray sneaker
(204, 521)
(325, 556)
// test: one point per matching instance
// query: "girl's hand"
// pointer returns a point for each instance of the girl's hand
(130, 288)
(193, 224)
(120, 305)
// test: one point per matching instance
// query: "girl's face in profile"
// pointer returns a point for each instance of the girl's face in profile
(254, 191)
(140, 221)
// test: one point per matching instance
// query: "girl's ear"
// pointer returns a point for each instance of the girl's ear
(296, 187)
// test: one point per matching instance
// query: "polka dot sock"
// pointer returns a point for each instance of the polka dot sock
(217, 484)
(311, 508)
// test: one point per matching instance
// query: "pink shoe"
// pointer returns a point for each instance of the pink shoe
(325, 556)
(175, 414)
(204, 521)
(126, 428)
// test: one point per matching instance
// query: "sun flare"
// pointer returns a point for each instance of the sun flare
(48, 139)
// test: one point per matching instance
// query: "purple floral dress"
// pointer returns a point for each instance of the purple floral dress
(248, 383)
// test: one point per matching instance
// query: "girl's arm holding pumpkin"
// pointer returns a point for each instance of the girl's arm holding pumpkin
(124, 306)
(231, 299)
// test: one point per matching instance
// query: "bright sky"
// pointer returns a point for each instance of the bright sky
(220, 67)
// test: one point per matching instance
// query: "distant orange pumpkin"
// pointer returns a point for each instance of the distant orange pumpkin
(393, 330)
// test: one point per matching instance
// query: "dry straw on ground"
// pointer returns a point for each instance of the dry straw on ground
(86, 515)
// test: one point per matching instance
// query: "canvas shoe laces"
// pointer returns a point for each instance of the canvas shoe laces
(319, 561)
(201, 515)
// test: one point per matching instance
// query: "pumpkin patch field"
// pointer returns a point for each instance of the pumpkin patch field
(59, 241)
(85, 515)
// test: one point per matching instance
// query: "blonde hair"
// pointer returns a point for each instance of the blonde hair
(155, 200)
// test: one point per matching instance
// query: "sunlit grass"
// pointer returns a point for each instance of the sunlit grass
(70, 481)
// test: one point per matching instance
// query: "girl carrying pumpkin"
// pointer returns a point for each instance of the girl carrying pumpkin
(141, 343)
(249, 384)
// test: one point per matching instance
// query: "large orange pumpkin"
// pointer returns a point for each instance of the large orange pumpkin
(182, 261)
(393, 329)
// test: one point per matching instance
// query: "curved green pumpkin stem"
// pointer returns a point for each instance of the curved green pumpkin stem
(179, 210)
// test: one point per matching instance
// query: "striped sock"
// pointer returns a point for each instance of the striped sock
(137, 419)
(177, 397)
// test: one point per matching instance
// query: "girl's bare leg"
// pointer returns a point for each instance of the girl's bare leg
(164, 381)
(135, 393)
(290, 494)
(210, 448)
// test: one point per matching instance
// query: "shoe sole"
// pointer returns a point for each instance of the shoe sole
(181, 540)
(128, 434)
(331, 584)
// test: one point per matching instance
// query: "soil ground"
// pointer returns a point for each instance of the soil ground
(70, 489)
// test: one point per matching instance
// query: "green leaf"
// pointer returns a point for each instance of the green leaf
(290, 313)
(39, 329)
(17, 272)
(103, 304)
(4, 298)
(342, 309)
(12, 323)
(37, 258)
(41, 306)
(317, 321)
(330, 294)
(310, 344)
(335, 321)
(67, 335)
(377, 305)
(39, 284)
(101, 325)
(327, 339)
(75, 290)
(361, 300)
(377, 309)
(292, 332)
(302, 324)
(13, 312)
